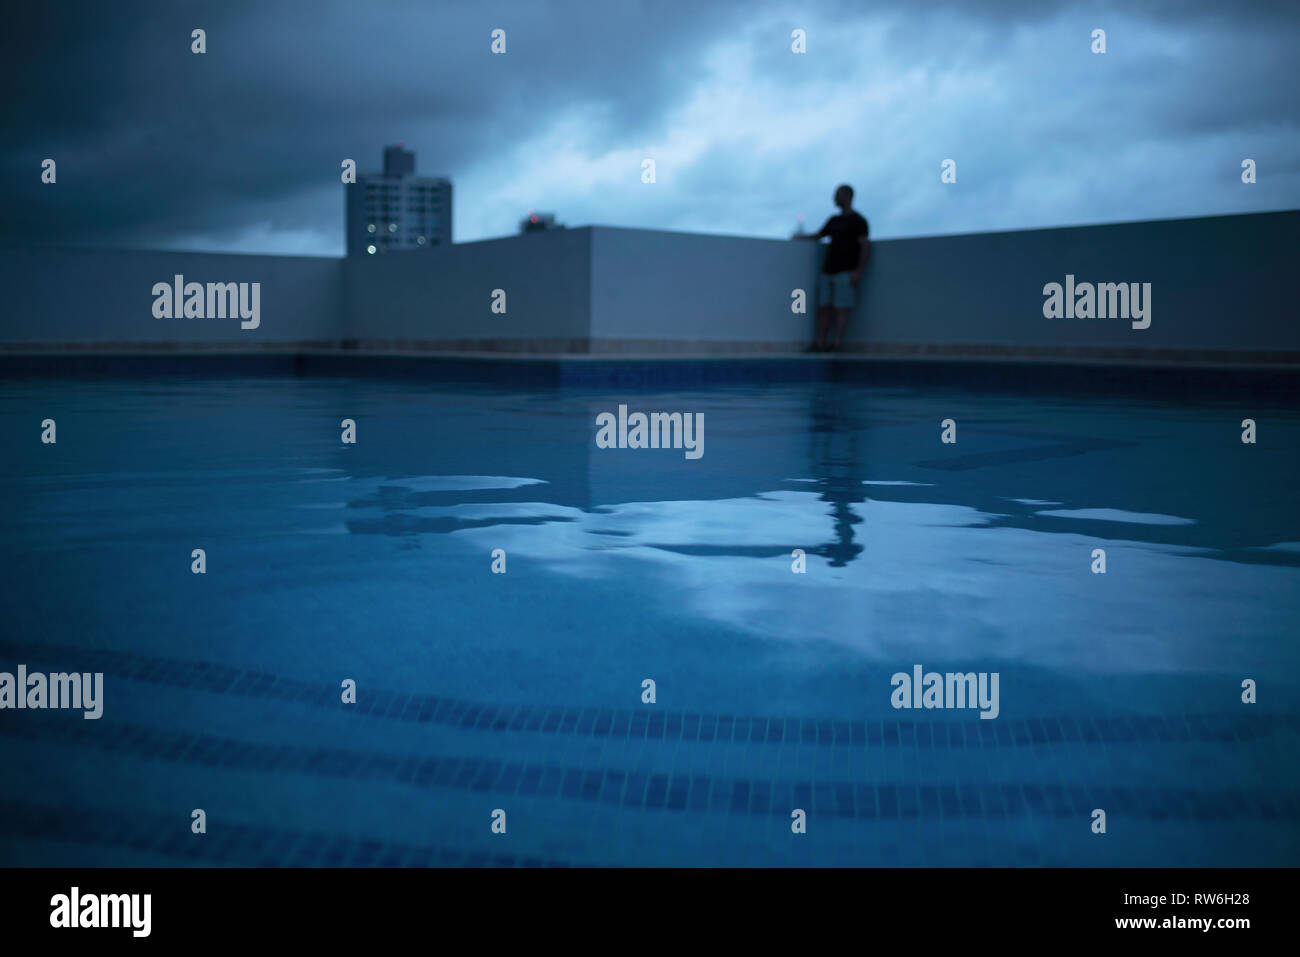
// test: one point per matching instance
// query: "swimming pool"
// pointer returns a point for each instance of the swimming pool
(523, 691)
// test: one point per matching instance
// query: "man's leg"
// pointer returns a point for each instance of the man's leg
(841, 320)
(823, 326)
(845, 296)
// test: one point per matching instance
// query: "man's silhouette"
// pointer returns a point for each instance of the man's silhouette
(846, 257)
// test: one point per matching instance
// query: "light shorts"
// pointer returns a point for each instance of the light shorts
(835, 290)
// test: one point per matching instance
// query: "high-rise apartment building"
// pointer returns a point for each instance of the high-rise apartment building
(397, 210)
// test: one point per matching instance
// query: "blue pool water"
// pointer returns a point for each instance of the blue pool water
(523, 691)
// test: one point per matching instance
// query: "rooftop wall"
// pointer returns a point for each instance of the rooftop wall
(1217, 285)
(681, 292)
(442, 298)
(1218, 293)
(102, 300)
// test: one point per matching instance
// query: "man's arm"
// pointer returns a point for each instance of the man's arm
(814, 237)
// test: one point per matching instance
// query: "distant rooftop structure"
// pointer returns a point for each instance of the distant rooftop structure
(398, 162)
(536, 222)
(396, 210)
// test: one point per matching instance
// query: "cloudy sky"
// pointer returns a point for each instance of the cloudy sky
(239, 149)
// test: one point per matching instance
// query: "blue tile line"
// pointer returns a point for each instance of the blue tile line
(661, 790)
(657, 724)
(236, 843)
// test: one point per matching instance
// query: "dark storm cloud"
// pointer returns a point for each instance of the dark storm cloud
(240, 147)
(152, 139)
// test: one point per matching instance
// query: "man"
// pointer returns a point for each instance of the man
(846, 257)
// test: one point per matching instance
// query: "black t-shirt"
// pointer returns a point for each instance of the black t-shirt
(844, 229)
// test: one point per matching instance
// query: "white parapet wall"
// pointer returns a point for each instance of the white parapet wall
(59, 300)
(1217, 285)
(659, 292)
(518, 294)
(1216, 289)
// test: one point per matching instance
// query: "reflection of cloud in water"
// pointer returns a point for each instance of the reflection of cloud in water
(937, 583)
(421, 483)
(442, 519)
(1118, 515)
(443, 483)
